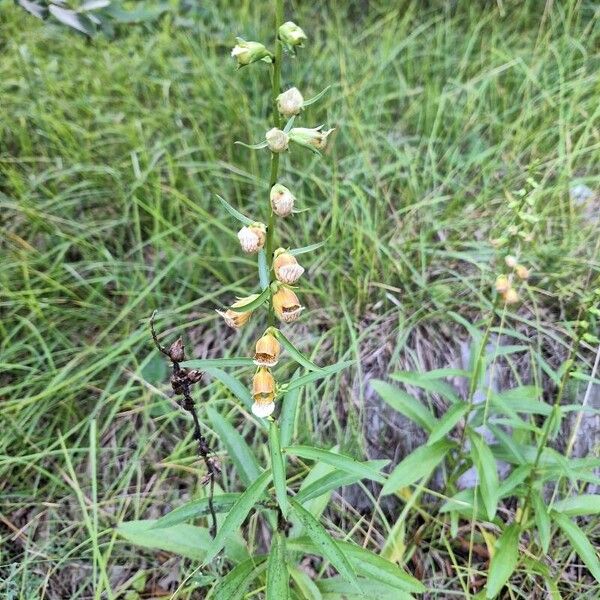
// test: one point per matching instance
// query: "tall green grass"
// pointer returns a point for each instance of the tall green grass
(110, 154)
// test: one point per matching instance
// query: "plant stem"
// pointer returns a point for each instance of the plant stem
(275, 91)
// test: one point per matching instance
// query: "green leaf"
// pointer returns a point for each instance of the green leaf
(339, 461)
(234, 585)
(304, 249)
(232, 211)
(277, 571)
(289, 410)
(577, 506)
(263, 269)
(278, 467)
(504, 560)
(524, 399)
(253, 304)
(316, 375)
(233, 384)
(542, 519)
(243, 458)
(463, 503)
(324, 543)
(579, 542)
(516, 478)
(405, 404)
(295, 353)
(334, 480)
(252, 146)
(184, 540)
(305, 584)
(486, 469)
(238, 513)
(41, 12)
(452, 416)
(72, 19)
(196, 508)
(336, 588)
(418, 464)
(428, 384)
(205, 363)
(315, 98)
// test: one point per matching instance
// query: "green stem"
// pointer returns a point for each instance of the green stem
(275, 91)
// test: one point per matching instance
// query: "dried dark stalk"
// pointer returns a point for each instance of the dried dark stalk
(182, 381)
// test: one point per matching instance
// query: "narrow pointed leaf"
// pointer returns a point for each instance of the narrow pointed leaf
(304, 249)
(316, 98)
(295, 353)
(407, 405)
(278, 468)
(263, 269)
(504, 560)
(234, 585)
(253, 304)
(324, 543)
(488, 475)
(233, 384)
(578, 506)
(448, 421)
(542, 519)
(418, 464)
(238, 513)
(277, 571)
(233, 212)
(289, 410)
(316, 375)
(196, 508)
(258, 146)
(339, 461)
(204, 363)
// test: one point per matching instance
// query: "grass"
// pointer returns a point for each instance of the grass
(110, 157)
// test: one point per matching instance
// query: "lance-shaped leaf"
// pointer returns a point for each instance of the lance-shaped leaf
(278, 468)
(429, 383)
(289, 409)
(277, 571)
(487, 474)
(240, 391)
(294, 352)
(243, 458)
(234, 585)
(196, 508)
(238, 513)
(453, 415)
(304, 249)
(233, 212)
(324, 543)
(579, 506)
(263, 269)
(224, 363)
(316, 375)
(316, 98)
(580, 543)
(339, 461)
(258, 146)
(417, 465)
(253, 304)
(504, 560)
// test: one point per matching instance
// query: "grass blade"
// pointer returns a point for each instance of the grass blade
(278, 468)
(295, 353)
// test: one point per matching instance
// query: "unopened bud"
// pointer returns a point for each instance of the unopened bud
(236, 319)
(263, 393)
(194, 375)
(306, 136)
(502, 284)
(286, 267)
(277, 140)
(511, 296)
(522, 272)
(246, 53)
(252, 238)
(511, 261)
(282, 200)
(286, 305)
(498, 242)
(291, 35)
(290, 103)
(176, 351)
(267, 351)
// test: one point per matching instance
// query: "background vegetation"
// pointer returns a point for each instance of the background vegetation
(110, 154)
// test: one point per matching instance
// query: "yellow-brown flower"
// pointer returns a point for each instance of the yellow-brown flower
(286, 305)
(263, 393)
(502, 284)
(286, 267)
(267, 351)
(237, 319)
(522, 272)
(511, 296)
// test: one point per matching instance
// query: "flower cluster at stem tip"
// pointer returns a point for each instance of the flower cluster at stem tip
(285, 270)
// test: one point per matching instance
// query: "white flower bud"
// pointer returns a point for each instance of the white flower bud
(277, 140)
(290, 102)
(306, 136)
(511, 261)
(252, 238)
(282, 200)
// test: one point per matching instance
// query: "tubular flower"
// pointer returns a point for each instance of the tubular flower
(511, 261)
(263, 393)
(246, 53)
(290, 102)
(522, 272)
(292, 35)
(286, 305)
(312, 137)
(282, 200)
(267, 351)
(511, 296)
(277, 140)
(236, 319)
(286, 267)
(252, 238)
(502, 284)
